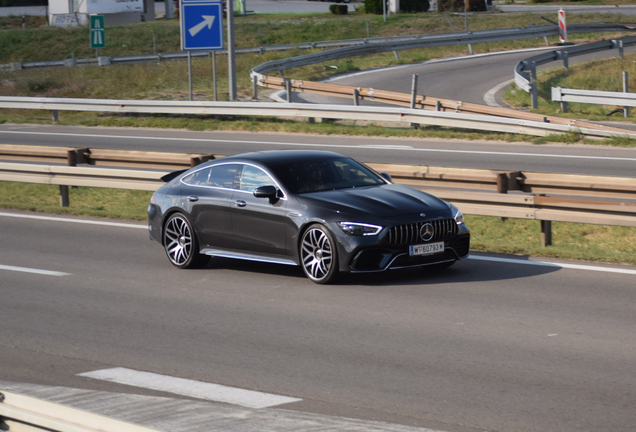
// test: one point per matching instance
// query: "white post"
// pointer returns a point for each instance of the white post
(563, 30)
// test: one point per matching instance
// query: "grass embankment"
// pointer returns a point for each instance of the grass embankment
(169, 81)
(602, 75)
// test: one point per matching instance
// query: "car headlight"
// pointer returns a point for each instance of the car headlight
(359, 229)
(457, 215)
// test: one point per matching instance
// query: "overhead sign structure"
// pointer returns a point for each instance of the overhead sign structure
(201, 25)
(98, 31)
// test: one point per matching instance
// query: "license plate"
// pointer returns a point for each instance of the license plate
(426, 249)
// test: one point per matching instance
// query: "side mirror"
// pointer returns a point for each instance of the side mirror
(386, 176)
(270, 192)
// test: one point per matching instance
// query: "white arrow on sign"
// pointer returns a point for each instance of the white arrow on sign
(208, 20)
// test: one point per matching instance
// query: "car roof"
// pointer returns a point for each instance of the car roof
(275, 157)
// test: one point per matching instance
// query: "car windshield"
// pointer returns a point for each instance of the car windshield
(325, 174)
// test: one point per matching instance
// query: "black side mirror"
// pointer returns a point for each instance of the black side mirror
(386, 176)
(270, 192)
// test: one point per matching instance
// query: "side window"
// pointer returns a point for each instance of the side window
(199, 178)
(216, 176)
(223, 176)
(254, 177)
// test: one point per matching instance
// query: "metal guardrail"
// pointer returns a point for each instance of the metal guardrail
(565, 95)
(396, 43)
(405, 116)
(526, 70)
(433, 41)
(523, 195)
(25, 413)
(102, 157)
(425, 102)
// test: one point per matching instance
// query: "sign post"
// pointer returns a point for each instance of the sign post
(201, 28)
(563, 30)
(98, 32)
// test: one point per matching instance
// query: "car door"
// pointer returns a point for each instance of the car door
(258, 223)
(209, 199)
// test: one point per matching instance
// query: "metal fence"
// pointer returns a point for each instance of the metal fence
(400, 116)
(526, 70)
(337, 49)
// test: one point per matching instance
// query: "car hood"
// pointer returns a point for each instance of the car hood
(380, 201)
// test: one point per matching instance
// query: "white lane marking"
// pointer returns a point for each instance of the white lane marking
(192, 388)
(32, 270)
(273, 143)
(489, 97)
(79, 221)
(554, 264)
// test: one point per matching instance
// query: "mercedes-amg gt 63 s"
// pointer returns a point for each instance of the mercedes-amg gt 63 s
(318, 210)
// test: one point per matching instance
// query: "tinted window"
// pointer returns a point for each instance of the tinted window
(216, 176)
(253, 177)
(326, 174)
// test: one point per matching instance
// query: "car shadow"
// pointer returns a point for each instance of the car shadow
(467, 270)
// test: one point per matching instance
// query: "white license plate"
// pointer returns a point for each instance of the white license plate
(426, 249)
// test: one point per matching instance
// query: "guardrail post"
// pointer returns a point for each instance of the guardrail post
(621, 46)
(397, 57)
(254, 87)
(546, 233)
(413, 90)
(56, 116)
(626, 90)
(356, 95)
(438, 106)
(288, 89)
(564, 57)
(535, 94)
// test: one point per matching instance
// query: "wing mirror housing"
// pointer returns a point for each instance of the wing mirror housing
(386, 176)
(270, 192)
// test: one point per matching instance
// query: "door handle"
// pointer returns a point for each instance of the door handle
(240, 203)
(193, 198)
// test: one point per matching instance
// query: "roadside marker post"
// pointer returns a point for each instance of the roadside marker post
(563, 30)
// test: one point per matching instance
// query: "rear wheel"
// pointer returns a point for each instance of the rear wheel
(180, 242)
(318, 255)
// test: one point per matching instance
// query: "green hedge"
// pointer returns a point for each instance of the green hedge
(339, 9)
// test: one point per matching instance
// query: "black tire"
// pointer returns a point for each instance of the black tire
(318, 255)
(180, 243)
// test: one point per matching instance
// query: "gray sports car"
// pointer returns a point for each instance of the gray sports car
(319, 210)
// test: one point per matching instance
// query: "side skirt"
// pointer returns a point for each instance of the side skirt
(247, 257)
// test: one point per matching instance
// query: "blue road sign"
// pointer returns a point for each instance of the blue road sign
(201, 25)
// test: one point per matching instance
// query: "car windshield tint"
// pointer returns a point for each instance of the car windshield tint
(326, 174)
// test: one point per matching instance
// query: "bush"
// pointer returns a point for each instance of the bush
(339, 9)
(413, 6)
(373, 7)
(458, 5)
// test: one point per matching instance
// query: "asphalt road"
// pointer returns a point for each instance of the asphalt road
(569, 159)
(482, 346)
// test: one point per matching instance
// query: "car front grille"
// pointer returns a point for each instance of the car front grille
(410, 233)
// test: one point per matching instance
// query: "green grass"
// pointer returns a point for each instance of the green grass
(169, 80)
(512, 236)
(603, 75)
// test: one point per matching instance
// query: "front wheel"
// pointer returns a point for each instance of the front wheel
(318, 255)
(180, 242)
